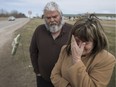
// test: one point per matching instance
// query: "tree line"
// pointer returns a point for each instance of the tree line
(15, 13)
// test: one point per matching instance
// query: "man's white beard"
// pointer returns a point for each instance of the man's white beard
(54, 28)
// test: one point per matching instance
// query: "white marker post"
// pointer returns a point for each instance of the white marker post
(15, 44)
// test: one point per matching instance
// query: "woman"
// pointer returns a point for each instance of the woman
(84, 61)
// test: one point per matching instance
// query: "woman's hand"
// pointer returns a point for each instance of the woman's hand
(77, 50)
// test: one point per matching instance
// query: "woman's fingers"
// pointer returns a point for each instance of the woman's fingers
(72, 39)
(77, 50)
(82, 45)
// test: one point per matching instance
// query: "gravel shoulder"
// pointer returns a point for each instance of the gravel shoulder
(13, 73)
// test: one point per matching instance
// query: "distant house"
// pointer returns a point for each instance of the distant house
(107, 16)
(99, 15)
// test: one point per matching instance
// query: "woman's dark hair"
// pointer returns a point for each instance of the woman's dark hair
(89, 29)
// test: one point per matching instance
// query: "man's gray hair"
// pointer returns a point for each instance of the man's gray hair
(52, 6)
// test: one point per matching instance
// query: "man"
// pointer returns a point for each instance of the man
(46, 43)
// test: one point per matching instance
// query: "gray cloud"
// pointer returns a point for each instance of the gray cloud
(67, 6)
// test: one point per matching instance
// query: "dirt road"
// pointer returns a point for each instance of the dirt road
(11, 72)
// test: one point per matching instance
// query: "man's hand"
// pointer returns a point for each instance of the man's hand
(38, 74)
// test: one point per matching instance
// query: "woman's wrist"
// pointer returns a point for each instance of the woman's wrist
(77, 60)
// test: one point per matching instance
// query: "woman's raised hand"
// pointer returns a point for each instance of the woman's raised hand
(76, 49)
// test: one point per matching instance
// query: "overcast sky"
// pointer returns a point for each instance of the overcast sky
(67, 6)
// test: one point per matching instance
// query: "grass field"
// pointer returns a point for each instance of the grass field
(27, 31)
